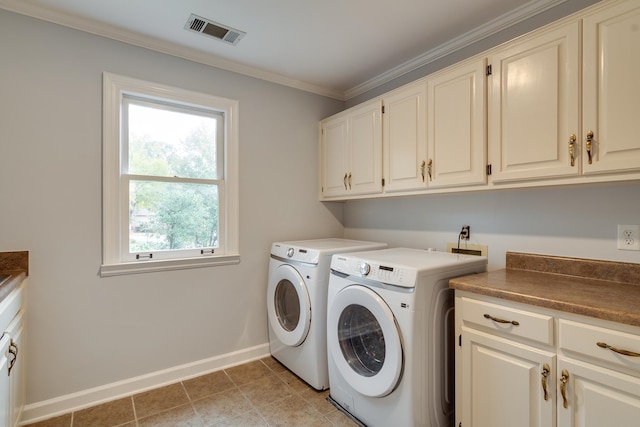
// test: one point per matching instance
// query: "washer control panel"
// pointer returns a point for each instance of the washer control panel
(295, 253)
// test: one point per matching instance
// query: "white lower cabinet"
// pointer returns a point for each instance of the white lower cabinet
(520, 365)
(15, 369)
(502, 383)
(595, 396)
(5, 405)
(12, 357)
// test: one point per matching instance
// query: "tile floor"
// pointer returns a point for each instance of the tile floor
(260, 393)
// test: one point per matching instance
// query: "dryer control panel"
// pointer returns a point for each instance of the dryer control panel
(390, 274)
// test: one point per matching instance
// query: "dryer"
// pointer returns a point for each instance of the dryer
(390, 335)
(297, 303)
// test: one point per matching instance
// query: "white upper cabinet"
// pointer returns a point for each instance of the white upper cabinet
(534, 106)
(351, 152)
(555, 106)
(405, 142)
(456, 126)
(611, 89)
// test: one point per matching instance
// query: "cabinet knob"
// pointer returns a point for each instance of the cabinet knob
(344, 180)
(422, 166)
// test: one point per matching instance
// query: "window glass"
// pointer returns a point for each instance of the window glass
(166, 142)
(168, 215)
(170, 178)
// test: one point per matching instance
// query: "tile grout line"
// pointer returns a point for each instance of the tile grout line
(193, 407)
(258, 411)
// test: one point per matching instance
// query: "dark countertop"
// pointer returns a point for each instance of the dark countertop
(606, 290)
(16, 265)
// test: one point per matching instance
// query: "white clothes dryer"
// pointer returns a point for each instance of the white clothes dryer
(297, 304)
(390, 335)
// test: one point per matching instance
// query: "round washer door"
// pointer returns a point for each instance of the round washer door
(364, 341)
(288, 306)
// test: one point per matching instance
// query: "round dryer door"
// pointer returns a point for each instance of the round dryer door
(364, 341)
(288, 306)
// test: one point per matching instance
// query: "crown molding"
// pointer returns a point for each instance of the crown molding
(494, 26)
(137, 39)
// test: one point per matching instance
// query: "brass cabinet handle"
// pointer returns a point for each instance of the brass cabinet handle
(572, 149)
(563, 387)
(344, 180)
(349, 179)
(545, 373)
(497, 319)
(422, 166)
(589, 147)
(617, 350)
(13, 350)
(430, 168)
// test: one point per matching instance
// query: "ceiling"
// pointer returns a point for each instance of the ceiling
(337, 48)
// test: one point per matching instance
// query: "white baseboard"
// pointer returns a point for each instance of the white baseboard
(39, 411)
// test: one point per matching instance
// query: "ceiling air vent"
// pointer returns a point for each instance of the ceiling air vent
(218, 31)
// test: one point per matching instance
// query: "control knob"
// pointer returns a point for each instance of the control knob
(290, 252)
(365, 268)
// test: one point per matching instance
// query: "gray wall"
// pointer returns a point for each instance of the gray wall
(85, 331)
(577, 221)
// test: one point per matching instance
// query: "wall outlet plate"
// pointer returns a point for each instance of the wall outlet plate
(629, 237)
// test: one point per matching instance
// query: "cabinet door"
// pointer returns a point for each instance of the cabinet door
(16, 366)
(405, 141)
(534, 106)
(4, 380)
(333, 156)
(611, 89)
(502, 383)
(456, 132)
(596, 396)
(365, 150)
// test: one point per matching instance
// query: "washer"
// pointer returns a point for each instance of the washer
(297, 304)
(390, 335)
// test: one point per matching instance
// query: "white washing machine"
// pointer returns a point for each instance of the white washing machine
(390, 335)
(297, 304)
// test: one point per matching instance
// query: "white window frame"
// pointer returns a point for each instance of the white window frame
(115, 192)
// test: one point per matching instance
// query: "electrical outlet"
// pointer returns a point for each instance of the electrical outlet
(465, 233)
(629, 237)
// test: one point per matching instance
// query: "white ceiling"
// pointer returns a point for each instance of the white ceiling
(337, 48)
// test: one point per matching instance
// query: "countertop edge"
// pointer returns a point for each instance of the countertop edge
(626, 317)
(15, 279)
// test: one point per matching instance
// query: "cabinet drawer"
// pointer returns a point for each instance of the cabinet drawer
(519, 323)
(604, 344)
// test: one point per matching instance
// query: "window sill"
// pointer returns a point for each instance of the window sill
(108, 270)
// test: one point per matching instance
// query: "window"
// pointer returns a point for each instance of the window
(170, 186)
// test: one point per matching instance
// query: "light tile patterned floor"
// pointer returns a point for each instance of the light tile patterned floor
(260, 393)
